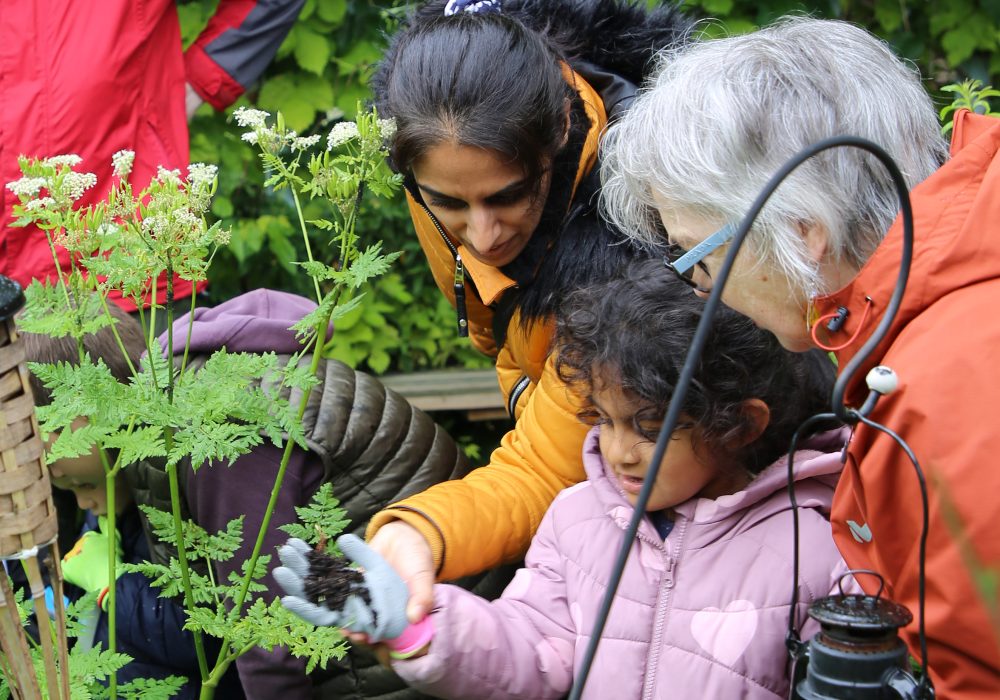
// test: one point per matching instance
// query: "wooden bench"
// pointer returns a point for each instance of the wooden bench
(474, 391)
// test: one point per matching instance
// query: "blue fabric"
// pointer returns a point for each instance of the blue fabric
(661, 522)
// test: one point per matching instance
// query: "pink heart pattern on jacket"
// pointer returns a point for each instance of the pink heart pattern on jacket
(725, 634)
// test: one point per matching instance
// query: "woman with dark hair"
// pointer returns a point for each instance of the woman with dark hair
(498, 113)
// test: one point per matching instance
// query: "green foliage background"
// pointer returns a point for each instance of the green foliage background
(321, 71)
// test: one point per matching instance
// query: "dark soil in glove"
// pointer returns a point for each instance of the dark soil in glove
(332, 580)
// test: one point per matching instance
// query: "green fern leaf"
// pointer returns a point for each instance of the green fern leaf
(151, 688)
(323, 516)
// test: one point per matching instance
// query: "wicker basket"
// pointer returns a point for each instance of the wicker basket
(27, 514)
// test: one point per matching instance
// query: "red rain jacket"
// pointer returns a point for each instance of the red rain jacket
(93, 78)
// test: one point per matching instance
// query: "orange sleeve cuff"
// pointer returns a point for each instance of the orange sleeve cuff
(415, 519)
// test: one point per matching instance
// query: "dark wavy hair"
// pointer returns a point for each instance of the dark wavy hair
(482, 80)
(636, 329)
(494, 81)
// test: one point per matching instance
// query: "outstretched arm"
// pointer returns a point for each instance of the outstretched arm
(520, 646)
(235, 47)
(488, 517)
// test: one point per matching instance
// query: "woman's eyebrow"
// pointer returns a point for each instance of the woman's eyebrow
(513, 187)
(434, 193)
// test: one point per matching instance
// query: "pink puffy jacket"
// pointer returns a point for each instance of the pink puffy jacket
(702, 613)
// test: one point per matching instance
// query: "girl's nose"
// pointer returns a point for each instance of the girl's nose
(620, 449)
(483, 229)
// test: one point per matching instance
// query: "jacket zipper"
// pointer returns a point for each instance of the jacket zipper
(662, 602)
(459, 279)
(515, 394)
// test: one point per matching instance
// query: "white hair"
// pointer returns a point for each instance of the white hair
(720, 116)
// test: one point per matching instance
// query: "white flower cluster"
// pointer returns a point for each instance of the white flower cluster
(75, 184)
(250, 137)
(222, 236)
(26, 186)
(253, 118)
(39, 204)
(178, 220)
(70, 159)
(155, 225)
(163, 175)
(202, 174)
(341, 133)
(301, 143)
(122, 162)
(188, 220)
(387, 127)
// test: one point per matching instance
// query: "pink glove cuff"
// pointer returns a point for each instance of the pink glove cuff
(413, 639)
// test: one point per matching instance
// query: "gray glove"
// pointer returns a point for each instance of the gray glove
(381, 619)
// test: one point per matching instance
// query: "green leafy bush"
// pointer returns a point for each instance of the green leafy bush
(320, 73)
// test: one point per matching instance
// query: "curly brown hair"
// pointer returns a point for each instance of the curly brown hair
(636, 329)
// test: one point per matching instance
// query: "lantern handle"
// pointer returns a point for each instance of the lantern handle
(855, 572)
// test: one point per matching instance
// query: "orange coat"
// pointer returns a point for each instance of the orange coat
(490, 516)
(945, 347)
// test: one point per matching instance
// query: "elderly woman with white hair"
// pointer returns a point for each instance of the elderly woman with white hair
(818, 267)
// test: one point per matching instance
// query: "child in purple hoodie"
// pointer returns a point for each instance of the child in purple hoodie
(702, 608)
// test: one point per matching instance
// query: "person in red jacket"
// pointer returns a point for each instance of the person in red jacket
(92, 79)
(818, 270)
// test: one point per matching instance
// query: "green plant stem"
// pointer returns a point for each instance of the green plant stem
(149, 335)
(175, 511)
(170, 331)
(152, 314)
(59, 271)
(305, 237)
(224, 658)
(209, 686)
(118, 338)
(112, 520)
(175, 491)
(211, 579)
(190, 329)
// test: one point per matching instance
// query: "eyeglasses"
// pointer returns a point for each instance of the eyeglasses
(684, 266)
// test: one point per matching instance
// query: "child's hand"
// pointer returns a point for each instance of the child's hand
(383, 618)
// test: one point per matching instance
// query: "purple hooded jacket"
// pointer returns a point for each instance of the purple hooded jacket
(364, 439)
(257, 321)
(700, 614)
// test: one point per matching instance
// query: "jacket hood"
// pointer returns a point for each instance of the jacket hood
(952, 248)
(257, 321)
(817, 469)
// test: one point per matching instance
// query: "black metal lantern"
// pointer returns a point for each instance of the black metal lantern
(857, 654)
